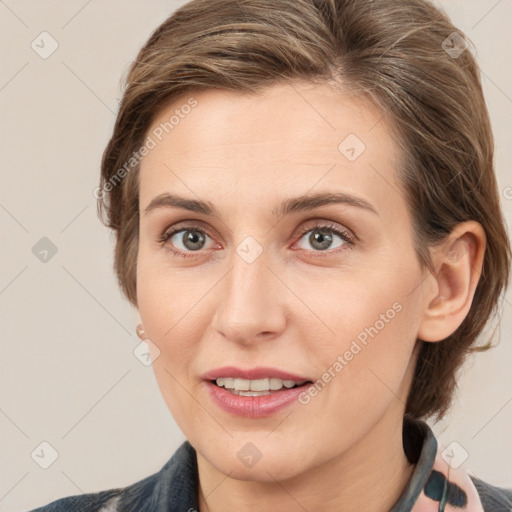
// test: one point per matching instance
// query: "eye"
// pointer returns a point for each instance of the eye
(188, 239)
(322, 237)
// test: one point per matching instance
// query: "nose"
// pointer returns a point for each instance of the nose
(251, 308)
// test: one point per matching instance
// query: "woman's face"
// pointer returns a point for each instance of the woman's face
(262, 278)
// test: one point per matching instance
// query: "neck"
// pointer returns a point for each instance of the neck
(371, 476)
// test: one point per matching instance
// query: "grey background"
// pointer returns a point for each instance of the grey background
(68, 373)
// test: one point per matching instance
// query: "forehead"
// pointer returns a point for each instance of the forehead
(285, 140)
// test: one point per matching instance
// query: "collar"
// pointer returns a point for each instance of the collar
(435, 486)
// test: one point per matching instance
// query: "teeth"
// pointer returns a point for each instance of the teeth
(275, 384)
(251, 393)
(259, 385)
(242, 385)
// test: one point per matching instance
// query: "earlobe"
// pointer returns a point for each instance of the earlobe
(141, 333)
(458, 266)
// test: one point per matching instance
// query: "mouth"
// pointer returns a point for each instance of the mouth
(256, 392)
(257, 387)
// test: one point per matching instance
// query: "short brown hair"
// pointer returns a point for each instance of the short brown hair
(393, 52)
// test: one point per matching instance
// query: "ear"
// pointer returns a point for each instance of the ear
(458, 265)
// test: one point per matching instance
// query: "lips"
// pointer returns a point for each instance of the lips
(260, 372)
(253, 404)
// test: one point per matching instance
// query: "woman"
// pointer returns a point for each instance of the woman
(308, 224)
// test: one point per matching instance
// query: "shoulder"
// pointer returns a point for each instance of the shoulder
(104, 501)
(112, 500)
(174, 485)
(494, 499)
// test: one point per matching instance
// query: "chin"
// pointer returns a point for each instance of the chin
(256, 461)
(268, 471)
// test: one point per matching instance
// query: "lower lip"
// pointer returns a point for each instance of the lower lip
(254, 406)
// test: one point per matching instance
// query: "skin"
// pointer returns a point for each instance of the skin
(297, 307)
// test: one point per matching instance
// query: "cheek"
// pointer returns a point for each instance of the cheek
(378, 307)
(165, 298)
(163, 312)
(172, 305)
(168, 318)
(375, 320)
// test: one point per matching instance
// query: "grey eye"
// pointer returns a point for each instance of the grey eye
(322, 239)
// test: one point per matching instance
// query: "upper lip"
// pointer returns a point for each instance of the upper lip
(260, 372)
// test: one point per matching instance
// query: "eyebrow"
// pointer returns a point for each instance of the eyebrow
(293, 204)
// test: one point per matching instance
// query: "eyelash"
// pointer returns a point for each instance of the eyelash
(349, 239)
